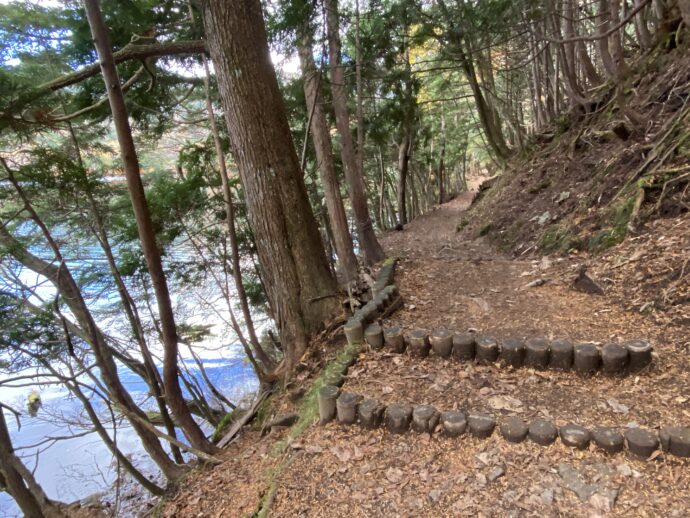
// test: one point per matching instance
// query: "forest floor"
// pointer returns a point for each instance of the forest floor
(448, 280)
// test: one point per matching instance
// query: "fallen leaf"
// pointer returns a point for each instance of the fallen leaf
(342, 454)
(394, 475)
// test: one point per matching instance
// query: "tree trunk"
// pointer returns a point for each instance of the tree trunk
(643, 35)
(324, 156)
(152, 376)
(294, 265)
(442, 162)
(147, 236)
(13, 481)
(358, 197)
(403, 165)
(617, 51)
(603, 42)
(684, 6)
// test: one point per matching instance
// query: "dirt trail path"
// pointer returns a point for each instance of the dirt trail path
(448, 282)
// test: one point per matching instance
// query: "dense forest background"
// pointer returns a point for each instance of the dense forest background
(149, 151)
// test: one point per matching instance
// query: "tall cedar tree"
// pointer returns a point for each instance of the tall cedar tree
(299, 283)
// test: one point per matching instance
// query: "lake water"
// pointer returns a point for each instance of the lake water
(73, 469)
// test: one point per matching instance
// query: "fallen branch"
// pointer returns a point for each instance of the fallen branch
(665, 188)
(671, 124)
(248, 416)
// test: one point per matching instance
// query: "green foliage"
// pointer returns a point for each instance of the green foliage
(24, 329)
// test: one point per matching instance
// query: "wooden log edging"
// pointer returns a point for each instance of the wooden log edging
(363, 324)
(400, 418)
(586, 359)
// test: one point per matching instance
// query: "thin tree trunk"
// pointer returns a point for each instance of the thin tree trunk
(403, 166)
(617, 51)
(643, 35)
(324, 156)
(382, 190)
(266, 361)
(147, 236)
(152, 377)
(31, 504)
(442, 162)
(604, 16)
(358, 198)
(299, 284)
(360, 93)
(61, 277)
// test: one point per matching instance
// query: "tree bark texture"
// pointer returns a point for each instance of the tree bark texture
(294, 265)
(324, 156)
(358, 197)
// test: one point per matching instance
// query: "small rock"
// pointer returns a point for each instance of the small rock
(563, 196)
(618, 407)
(624, 470)
(542, 218)
(603, 501)
(547, 496)
(573, 481)
(435, 495)
(495, 473)
(586, 284)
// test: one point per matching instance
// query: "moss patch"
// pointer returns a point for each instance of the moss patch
(484, 230)
(462, 225)
(308, 413)
(557, 239)
(223, 425)
(619, 216)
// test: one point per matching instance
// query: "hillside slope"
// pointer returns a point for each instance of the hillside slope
(577, 185)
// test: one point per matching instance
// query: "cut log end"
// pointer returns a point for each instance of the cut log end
(641, 443)
(346, 407)
(542, 432)
(463, 346)
(561, 357)
(486, 349)
(454, 423)
(614, 359)
(586, 359)
(441, 342)
(424, 419)
(481, 425)
(513, 429)
(370, 413)
(373, 334)
(675, 440)
(537, 353)
(326, 399)
(398, 418)
(575, 436)
(513, 352)
(640, 355)
(418, 343)
(394, 339)
(608, 439)
(354, 331)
